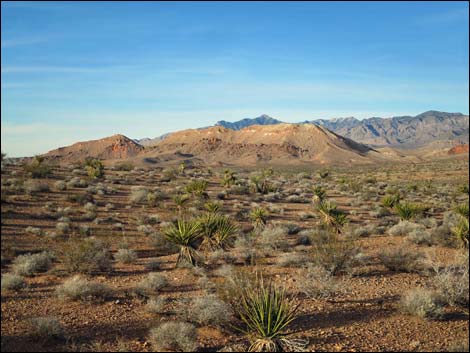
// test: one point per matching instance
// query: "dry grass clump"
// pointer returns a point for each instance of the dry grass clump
(174, 336)
(333, 253)
(28, 265)
(12, 282)
(125, 256)
(138, 194)
(156, 305)
(402, 259)
(79, 288)
(318, 283)
(32, 187)
(151, 285)
(423, 303)
(46, 328)
(452, 283)
(86, 256)
(210, 310)
(404, 228)
(274, 237)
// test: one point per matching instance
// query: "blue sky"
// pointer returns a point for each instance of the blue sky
(80, 71)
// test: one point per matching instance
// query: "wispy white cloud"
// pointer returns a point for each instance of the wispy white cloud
(9, 43)
(61, 69)
(445, 17)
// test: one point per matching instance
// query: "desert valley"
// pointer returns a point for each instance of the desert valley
(234, 176)
(120, 244)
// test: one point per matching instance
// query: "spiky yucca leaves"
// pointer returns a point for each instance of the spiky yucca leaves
(461, 231)
(229, 178)
(94, 168)
(267, 312)
(212, 207)
(185, 234)
(462, 210)
(217, 230)
(197, 188)
(391, 201)
(331, 215)
(319, 194)
(180, 201)
(258, 217)
(261, 184)
(408, 210)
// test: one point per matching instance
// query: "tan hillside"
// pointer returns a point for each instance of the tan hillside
(277, 144)
(112, 147)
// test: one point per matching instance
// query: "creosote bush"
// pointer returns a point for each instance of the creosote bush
(174, 335)
(12, 282)
(29, 265)
(86, 256)
(79, 288)
(423, 303)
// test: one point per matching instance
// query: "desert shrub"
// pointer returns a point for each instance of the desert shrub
(28, 265)
(420, 237)
(335, 255)
(404, 228)
(46, 328)
(274, 237)
(259, 217)
(77, 183)
(12, 282)
(218, 231)
(156, 305)
(318, 283)
(197, 188)
(402, 259)
(86, 256)
(423, 303)
(331, 215)
(33, 186)
(391, 200)
(210, 310)
(138, 194)
(38, 168)
(290, 260)
(94, 168)
(60, 185)
(319, 194)
(79, 288)
(185, 235)
(124, 166)
(462, 210)
(151, 285)
(461, 231)
(34, 230)
(408, 210)
(125, 256)
(173, 335)
(452, 284)
(260, 184)
(267, 312)
(62, 228)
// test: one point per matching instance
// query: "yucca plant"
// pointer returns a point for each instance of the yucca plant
(180, 201)
(197, 188)
(184, 234)
(217, 230)
(267, 312)
(261, 185)
(462, 210)
(331, 215)
(94, 168)
(259, 217)
(390, 201)
(407, 210)
(319, 194)
(212, 207)
(229, 178)
(461, 231)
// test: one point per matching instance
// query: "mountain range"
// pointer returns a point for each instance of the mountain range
(265, 140)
